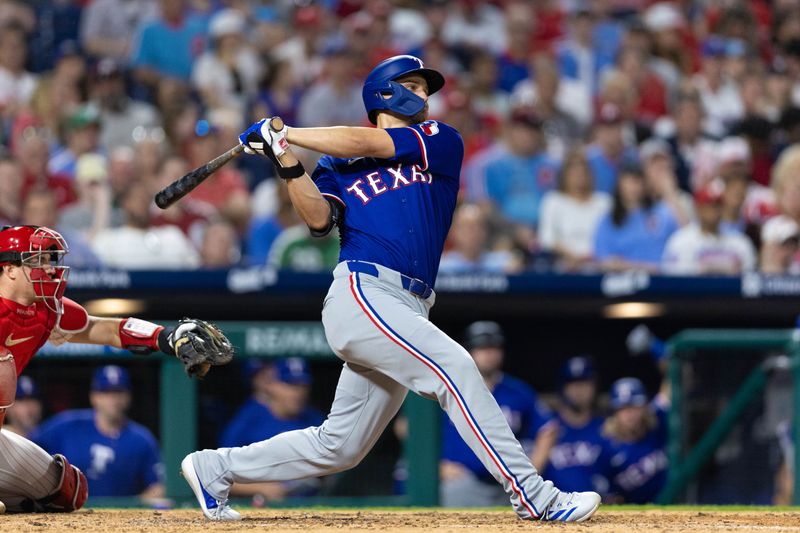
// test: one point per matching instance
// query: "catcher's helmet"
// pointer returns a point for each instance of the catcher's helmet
(42, 250)
(381, 92)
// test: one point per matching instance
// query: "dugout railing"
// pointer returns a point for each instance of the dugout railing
(685, 461)
(179, 408)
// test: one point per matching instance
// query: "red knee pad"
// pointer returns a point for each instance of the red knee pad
(72, 490)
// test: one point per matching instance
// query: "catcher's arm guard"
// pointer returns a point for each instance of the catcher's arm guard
(199, 345)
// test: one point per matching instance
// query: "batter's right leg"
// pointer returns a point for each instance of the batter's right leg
(365, 402)
(27, 472)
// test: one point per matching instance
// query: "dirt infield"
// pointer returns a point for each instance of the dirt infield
(130, 521)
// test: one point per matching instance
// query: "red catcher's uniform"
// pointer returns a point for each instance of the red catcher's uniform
(25, 328)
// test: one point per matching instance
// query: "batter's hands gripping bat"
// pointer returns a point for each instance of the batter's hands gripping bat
(187, 183)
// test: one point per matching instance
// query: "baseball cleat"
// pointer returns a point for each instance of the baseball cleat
(213, 509)
(572, 507)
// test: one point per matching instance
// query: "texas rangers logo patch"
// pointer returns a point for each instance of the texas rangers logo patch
(429, 127)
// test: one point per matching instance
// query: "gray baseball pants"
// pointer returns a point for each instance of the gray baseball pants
(27, 472)
(389, 346)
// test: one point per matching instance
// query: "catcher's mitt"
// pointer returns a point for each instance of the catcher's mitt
(199, 345)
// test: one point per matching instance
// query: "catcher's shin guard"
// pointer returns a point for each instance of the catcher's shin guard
(72, 491)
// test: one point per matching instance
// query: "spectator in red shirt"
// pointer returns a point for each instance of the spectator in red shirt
(34, 155)
(190, 215)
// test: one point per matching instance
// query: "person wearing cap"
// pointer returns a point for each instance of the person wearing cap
(779, 246)
(608, 151)
(226, 189)
(703, 248)
(81, 135)
(464, 480)
(517, 180)
(120, 115)
(577, 459)
(732, 157)
(278, 403)
(300, 48)
(571, 214)
(25, 415)
(92, 212)
(634, 232)
(119, 456)
(719, 95)
(227, 74)
(636, 440)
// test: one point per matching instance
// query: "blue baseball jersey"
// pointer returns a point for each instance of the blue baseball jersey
(639, 469)
(579, 460)
(255, 422)
(398, 211)
(122, 465)
(525, 415)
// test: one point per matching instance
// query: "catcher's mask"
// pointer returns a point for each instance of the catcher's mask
(41, 250)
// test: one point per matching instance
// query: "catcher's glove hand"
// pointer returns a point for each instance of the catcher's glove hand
(199, 345)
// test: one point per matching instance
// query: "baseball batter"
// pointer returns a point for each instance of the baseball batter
(392, 191)
(33, 309)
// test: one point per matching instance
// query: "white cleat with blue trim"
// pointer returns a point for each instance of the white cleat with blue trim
(212, 508)
(572, 507)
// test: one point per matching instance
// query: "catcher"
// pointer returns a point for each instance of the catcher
(33, 309)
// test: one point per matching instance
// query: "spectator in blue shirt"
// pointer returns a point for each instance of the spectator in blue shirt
(633, 235)
(637, 440)
(517, 181)
(118, 456)
(169, 45)
(465, 482)
(279, 403)
(608, 152)
(578, 460)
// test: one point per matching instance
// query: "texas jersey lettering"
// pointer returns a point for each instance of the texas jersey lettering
(398, 211)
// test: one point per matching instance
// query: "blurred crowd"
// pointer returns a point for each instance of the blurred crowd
(600, 135)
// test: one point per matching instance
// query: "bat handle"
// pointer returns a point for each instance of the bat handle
(276, 124)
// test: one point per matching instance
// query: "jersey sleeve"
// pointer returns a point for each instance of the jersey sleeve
(324, 176)
(432, 145)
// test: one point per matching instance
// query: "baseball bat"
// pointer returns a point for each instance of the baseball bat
(187, 183)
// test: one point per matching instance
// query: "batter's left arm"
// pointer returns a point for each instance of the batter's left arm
(344, 141)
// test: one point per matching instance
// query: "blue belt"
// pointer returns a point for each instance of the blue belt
(415, 286)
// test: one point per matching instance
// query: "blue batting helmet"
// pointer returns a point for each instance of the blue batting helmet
(626, 392)
(578, 368)
(381, 92)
